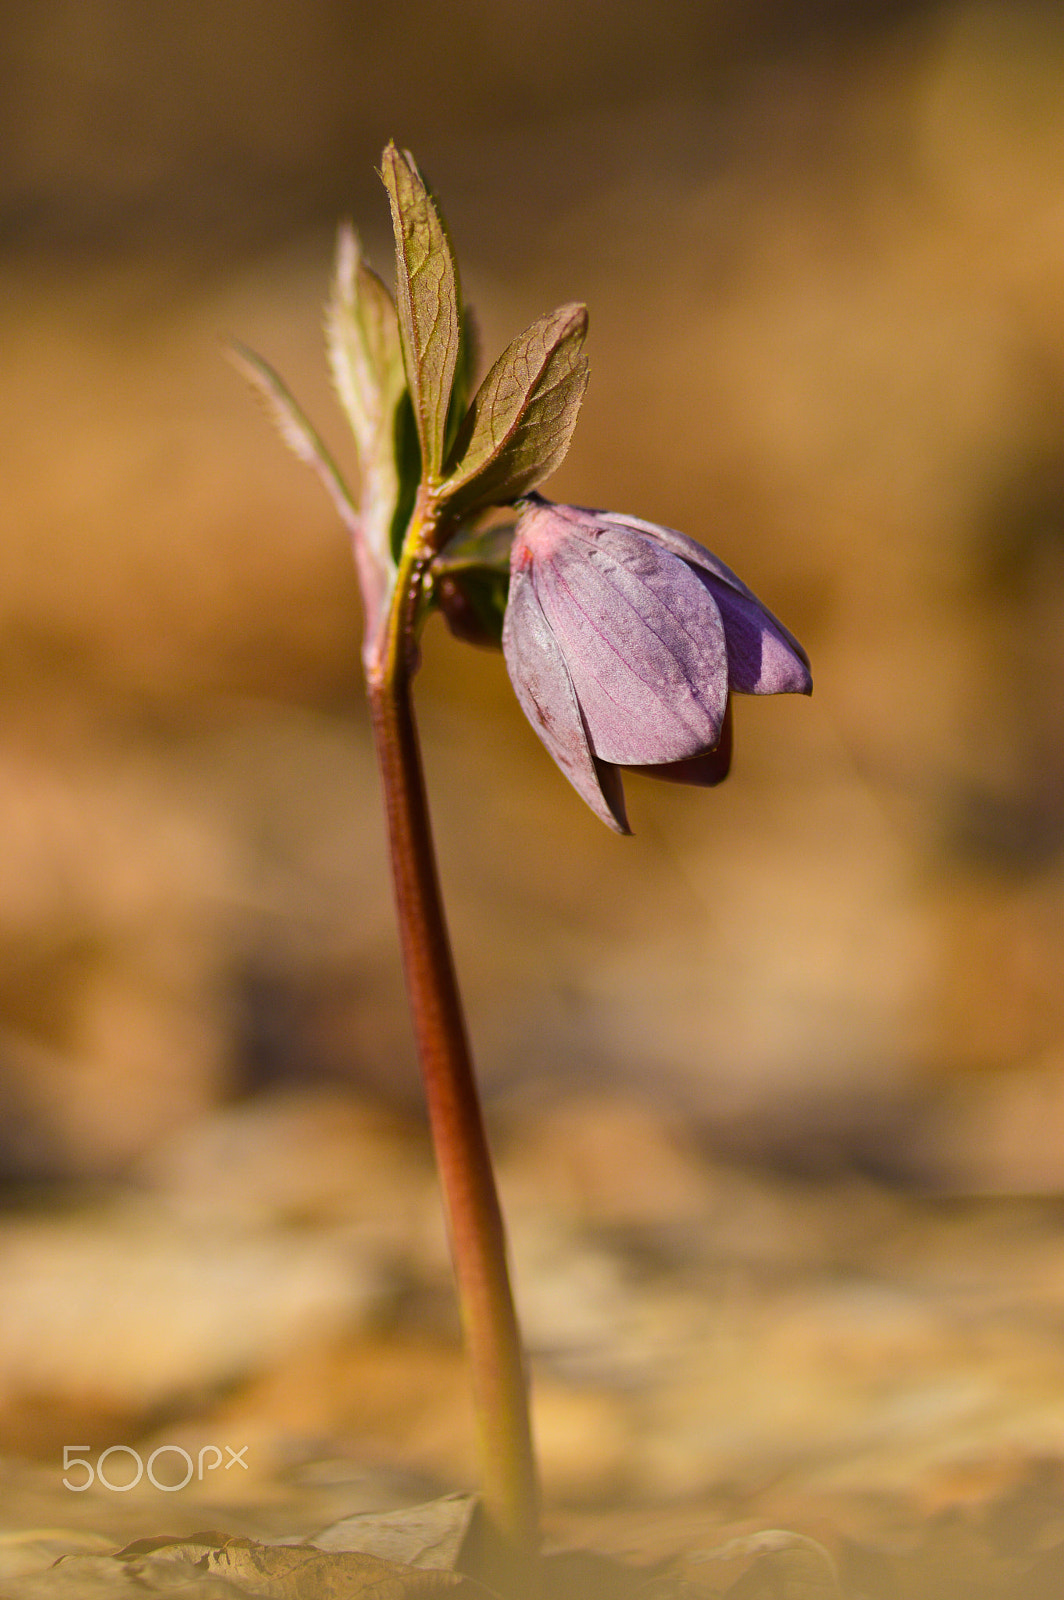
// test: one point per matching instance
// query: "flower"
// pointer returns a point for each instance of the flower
(624, 642)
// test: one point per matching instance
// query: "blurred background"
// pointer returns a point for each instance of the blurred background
(822, 243)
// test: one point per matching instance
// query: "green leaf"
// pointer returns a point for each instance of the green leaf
(408, 464)
(464, 378)
(470, 582)
(426, 290)
(473, 603)
(477, 548)
(366, 361)
(522, 418)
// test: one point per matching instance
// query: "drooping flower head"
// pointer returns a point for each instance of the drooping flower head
(624, 642)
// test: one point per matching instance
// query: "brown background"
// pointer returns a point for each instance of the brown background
(823, 250)
(822, 247)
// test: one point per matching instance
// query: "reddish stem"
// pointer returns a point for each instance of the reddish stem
(475, 1226)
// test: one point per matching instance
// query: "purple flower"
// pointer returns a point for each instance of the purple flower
(624, 641)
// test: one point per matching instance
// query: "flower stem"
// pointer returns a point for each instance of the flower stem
(474, 1219)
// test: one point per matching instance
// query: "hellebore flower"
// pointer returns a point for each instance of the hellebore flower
(624, 641)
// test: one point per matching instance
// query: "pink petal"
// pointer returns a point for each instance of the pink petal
(545, 692)
(764, 657)
(641, 636)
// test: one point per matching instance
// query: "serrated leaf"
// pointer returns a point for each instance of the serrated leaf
(375, 570)
(363, 346)
(297, 432)
(426, 293)
(366, 361)
(519, 425)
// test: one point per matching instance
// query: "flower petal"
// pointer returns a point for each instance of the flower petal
(545, 691)
(764, 657)
(704, 771)
(640, 634)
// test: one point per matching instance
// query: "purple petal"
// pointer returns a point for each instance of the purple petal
(763, 656)
(704, 771)
(640, 634)
(546, 695)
